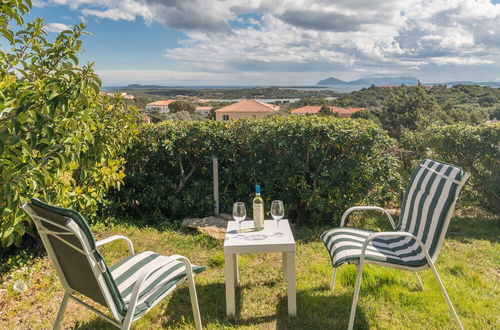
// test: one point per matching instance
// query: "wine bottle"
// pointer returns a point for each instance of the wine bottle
(258, 210)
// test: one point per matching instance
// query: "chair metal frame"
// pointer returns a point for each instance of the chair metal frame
(119, 320)
(430, 260)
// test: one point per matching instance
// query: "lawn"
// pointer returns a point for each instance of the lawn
(469, 266)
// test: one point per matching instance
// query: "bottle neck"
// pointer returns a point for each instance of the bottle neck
(257, 194)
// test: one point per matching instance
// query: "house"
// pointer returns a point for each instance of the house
(204, 111)
(161, 106)
(245, 109)
(306, 109)
(146, 119)
(314, 109)
(127, 96)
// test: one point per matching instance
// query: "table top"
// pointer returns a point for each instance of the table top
(259, 241)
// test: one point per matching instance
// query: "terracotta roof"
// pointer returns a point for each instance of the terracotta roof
(316, 109)
(307, 109)
(203, 108)
(339, 110)
(249, 105)
(161, 103)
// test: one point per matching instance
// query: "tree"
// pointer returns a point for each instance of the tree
(367, 114)
(325, 110)
(59, 139)
(211, 115)
(410, 108)
(181, 105)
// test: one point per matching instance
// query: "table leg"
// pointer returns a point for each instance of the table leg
(230, 297)
(236, 271)
(283, 260)
(292, 290)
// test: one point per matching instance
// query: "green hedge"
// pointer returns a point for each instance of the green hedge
(475, 148)
(318, 166)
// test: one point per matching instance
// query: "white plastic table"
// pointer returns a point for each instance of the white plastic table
(257, 242)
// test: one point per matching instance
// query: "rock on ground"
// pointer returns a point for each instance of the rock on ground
(212, 226)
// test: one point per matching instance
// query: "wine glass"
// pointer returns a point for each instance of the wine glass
(239, 214)
(277, 212)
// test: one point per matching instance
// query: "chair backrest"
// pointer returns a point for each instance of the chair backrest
(72, 250)
(429, 201)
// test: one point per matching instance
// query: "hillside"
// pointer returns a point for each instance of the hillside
(370, 81)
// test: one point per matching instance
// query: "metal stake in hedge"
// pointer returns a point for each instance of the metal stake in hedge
(215, 161)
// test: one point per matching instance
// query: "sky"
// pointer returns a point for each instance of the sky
(281, 42)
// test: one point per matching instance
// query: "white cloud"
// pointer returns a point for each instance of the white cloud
(38, 3)
(57, 27)
(318, 35)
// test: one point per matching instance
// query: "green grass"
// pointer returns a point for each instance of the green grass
(469, 266)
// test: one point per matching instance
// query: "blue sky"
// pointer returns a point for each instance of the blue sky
(282, 42)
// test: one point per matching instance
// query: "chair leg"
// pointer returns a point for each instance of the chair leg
(355, 297)
(445, 294)
(126, 325)
(332, 283)
(60, 314)
(194, 303)
(419, 281)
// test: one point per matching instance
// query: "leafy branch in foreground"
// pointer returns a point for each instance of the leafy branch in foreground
(59, 139)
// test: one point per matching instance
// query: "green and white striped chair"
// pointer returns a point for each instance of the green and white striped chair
(128, 289)
(416, 241)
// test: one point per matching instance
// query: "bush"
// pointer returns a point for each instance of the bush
(477, 150)
(59, 139)
(182, 105)
(318, 166)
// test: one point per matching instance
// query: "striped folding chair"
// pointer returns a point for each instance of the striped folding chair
(129, 289)
(415, 242)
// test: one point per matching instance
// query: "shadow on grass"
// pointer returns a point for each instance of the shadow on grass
(316, 309)
(465, 229)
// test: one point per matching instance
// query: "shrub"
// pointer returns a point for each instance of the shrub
(59, 139)
(477, 150)
(318, 166)
(182, 105)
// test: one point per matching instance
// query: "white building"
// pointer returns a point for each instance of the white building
(204, 111)
(161, 106)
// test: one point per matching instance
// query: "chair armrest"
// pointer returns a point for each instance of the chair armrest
(366, 208)
(392, 234)
(114, 238)
(147, 272)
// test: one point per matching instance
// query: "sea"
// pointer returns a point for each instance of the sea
(336, 88)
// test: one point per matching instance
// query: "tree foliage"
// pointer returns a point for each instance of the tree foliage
(475, 148)
(412, 109)
(182, 105)
(59, 139)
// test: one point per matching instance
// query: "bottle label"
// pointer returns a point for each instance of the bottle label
(258, 215)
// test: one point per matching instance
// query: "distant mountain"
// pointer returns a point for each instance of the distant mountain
(387, 81)
(397, 81)
(371, 81)
(331, 81)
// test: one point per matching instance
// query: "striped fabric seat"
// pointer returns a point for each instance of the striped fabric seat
(425, 212)
(345, 245)
(157, 285)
